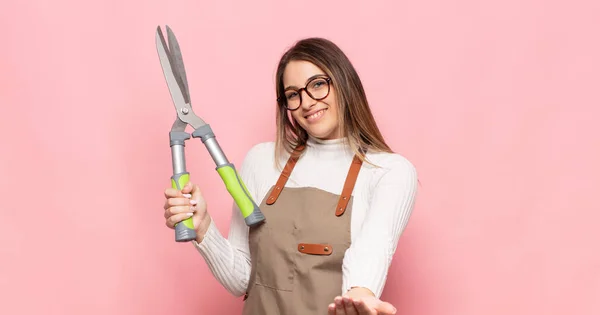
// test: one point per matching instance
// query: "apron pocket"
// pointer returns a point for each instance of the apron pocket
(275, 266)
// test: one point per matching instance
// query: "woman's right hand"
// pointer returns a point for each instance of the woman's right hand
(181, 204)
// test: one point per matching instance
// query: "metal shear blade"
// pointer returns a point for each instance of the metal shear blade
(174, 72)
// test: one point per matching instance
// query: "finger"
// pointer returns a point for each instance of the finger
(187, 188)
(174, 219)
(339, 306)
(172, 193)
(349, 306)
(385, 308)
(363, 308)
(331, 309)
(171, 211)
(196, 194)
(174, 202)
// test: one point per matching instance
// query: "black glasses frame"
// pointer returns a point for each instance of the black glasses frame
(283, 100)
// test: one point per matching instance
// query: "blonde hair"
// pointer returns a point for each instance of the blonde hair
(355, 118)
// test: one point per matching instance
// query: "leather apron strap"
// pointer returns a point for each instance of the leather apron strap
(346, 191)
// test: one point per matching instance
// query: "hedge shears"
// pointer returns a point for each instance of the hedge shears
(174, 72)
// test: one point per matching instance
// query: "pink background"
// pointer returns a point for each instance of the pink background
(495, 102)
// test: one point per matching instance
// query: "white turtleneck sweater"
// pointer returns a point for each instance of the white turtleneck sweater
(383, 201)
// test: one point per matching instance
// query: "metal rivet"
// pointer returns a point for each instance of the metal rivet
(302, 247)
(277, 187)
(345, 198)
(326, 249)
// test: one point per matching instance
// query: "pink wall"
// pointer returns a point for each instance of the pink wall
(496, 103)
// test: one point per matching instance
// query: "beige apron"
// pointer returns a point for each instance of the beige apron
(297, 253)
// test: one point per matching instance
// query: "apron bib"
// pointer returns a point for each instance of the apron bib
(297, 253)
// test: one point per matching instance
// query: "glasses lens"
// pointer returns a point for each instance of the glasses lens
(292, 99)
(318, 88)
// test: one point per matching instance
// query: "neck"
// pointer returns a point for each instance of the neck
(315, 140)
(332, 148)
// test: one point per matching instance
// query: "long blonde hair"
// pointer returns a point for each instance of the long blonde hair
(355, 118)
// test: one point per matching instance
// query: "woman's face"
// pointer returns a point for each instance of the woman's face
(318, 117)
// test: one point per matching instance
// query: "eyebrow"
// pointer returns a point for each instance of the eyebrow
(306, 82)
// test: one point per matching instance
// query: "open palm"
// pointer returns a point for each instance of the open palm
(360, 306)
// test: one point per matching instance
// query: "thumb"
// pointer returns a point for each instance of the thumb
(196, 193)
(187, 188)
(385, 308)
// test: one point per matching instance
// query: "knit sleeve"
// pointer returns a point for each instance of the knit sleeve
(367, 260)
(229, 258)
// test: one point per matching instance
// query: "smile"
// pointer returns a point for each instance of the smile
(315, 116)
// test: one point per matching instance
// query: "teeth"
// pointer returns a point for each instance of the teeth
(315, 115)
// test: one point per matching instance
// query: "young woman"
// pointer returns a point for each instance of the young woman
(335, 197)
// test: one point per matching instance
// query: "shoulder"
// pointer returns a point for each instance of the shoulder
(261, 150)
(393, 167)
(259, 157)
(390, 162)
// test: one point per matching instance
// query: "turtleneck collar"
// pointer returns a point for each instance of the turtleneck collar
(325, 142)
(338, 147)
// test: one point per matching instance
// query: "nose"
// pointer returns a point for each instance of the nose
(307, 101)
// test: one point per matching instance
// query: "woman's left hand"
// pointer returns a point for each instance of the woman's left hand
(368, 305)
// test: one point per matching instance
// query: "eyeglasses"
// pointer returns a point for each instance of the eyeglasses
(317, 89)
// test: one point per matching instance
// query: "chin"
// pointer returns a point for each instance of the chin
(321, 133)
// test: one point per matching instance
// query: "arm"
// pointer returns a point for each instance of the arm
(229, 258)
(366, 262)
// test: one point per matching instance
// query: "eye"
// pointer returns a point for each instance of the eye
(291, 96)
(317, 84)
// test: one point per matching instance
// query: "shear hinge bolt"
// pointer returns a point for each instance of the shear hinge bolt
(185, 111)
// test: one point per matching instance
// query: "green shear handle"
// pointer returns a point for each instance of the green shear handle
(184, 230)
(233, 182)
